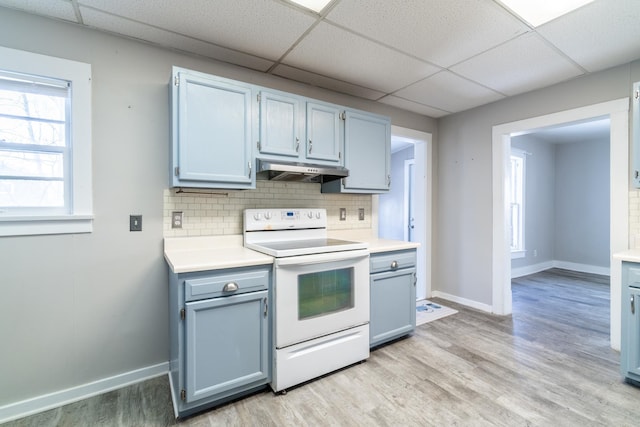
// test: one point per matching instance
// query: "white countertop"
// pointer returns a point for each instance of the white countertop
(374, 243)
(631, 255)
(189, 254)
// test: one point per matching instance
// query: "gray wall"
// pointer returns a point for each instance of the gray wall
(566, 202)
(391, 205)
(462, 253)
(80, 308)
(582, 203)
(539, 200)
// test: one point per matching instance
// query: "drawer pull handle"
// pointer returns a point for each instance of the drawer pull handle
(394, 265)
(633, 305)
(230, 287)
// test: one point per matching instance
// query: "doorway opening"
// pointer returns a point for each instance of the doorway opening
(617, 112)
(405, 212)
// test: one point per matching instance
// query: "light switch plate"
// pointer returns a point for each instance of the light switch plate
(135, 222)
(343, 214)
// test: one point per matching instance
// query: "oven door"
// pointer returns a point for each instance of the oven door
(319, 294)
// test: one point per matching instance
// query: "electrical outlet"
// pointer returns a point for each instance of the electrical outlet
(176, 219)
(361, 214)
(535, 252)
(135, 222)
(343, 214)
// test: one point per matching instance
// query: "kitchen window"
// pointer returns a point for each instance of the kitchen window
(45, 145)
(517, 203)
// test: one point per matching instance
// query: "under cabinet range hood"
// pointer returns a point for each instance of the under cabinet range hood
(301, 172)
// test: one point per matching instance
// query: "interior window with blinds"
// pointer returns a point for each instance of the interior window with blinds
(35, 172)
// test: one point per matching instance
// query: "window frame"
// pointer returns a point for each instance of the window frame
(518, 251)
(79, 218)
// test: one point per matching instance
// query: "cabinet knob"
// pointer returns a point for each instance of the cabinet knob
(230, 287)
(394, 265)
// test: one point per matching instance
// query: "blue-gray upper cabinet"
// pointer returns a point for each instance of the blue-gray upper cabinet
(281, 125)
(212, 125)
(367, 155)
(287, 133)
(635, 133)
(324, 133)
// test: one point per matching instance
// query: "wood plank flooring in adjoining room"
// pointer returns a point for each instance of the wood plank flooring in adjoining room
(549, 364)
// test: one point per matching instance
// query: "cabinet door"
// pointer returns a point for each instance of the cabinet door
(226, 344)
(211, 132)
(393, 305)
(367, 155)
(280, 123)
(323, 142)
(631, 337)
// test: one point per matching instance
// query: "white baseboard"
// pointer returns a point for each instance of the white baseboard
(583, 268)
(469, 303)
(531, 269)
(536, 268)
(56, 399)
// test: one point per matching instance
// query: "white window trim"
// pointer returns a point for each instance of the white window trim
(521, 252)
(81, 219)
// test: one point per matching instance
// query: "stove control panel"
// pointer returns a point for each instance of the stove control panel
(284, 219)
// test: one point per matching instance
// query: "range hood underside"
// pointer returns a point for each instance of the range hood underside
(299, 172)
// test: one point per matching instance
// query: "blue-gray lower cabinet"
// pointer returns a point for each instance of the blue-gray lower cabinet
(630, 342)
(393, 295)
(220, 336)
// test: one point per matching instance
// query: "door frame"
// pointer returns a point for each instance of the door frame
(409, 192)
(618, 112)
(424, 151)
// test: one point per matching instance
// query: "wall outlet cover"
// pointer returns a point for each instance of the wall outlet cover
(176, 219)
(361, 214)
(343, 214)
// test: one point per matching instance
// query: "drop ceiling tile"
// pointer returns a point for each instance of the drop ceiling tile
(264, 28)
(413, 106)
(60, 9)
(516, 66)
(599, 35)
(448, 92)
(443, 32)
(104, 21)
(339, 54)
(326, 82)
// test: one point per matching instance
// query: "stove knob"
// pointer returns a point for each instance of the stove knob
(267, 215)
(318, 215)
(257, 216)
(310, 214)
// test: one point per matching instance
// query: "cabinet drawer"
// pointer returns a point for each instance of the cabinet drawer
(389, 261)
(232, 283)
(633, 278)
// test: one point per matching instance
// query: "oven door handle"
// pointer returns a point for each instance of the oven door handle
(322, 258)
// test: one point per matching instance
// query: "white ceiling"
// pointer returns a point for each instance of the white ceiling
(433, 57)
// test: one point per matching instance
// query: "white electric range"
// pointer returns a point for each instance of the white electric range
(320, 293)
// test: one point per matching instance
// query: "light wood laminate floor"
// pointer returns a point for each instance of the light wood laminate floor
(549, 364)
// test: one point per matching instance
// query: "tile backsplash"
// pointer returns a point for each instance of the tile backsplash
(219, 212)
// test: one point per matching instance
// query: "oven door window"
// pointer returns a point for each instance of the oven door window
(325, 292)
